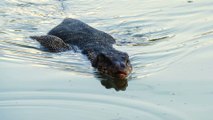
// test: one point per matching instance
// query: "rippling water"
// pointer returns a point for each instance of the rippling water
(169, 43)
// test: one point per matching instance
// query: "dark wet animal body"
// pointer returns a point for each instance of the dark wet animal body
(97, 45)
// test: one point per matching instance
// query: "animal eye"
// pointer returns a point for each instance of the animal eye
(101, 57)
(104, 59)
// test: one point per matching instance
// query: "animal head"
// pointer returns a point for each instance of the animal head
(115, 64)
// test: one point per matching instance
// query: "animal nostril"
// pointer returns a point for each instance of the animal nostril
(122, 65)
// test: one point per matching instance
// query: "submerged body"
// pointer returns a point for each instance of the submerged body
(97, 45)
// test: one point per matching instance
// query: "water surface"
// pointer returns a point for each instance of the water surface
(169, 43)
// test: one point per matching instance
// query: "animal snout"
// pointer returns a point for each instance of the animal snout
(120, 65)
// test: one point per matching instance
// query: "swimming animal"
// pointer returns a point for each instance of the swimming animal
(95, 44)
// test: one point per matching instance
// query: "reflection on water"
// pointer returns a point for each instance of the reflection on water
(116, 84)
(156, 35)
(110, 82)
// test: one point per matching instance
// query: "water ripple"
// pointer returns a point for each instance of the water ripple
(112, 107)
(31, 53)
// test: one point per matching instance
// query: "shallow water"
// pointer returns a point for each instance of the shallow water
(169, 43)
